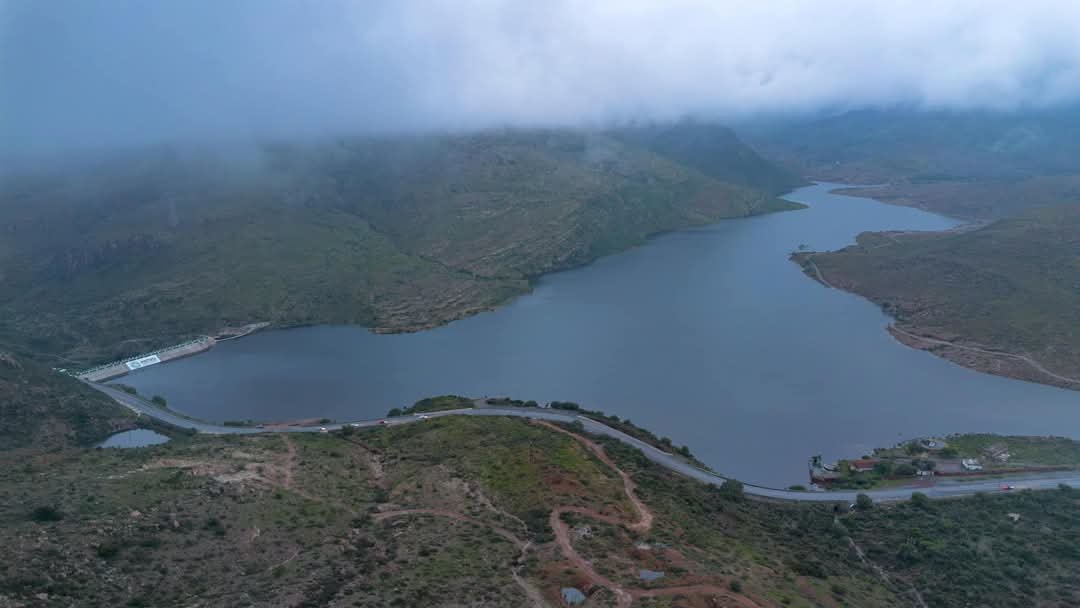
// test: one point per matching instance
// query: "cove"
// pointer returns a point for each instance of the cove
(709, 336)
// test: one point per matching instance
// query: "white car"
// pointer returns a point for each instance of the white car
(423, 417)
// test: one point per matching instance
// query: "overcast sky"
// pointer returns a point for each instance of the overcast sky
(78, 73)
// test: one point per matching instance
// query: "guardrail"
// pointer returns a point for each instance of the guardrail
(160, 351)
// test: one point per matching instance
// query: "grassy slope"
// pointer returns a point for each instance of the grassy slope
(397, 234)
(292, 520)
(978, 200)
(1013, 285)
(309, 520)
(45, 410)
(1023, 450)
(973, 165)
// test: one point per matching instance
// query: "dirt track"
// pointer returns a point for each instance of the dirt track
(641, 524)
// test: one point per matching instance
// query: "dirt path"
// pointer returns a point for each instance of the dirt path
(882, 574)
(534, 595)
(289, 470)
(714, 590)
(817, 273)
(643, 523)
(985, 351)
(644, 514)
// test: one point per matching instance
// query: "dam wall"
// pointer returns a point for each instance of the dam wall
(116, 369)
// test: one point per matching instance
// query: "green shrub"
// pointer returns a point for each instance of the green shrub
(46, 514)
(732, 489)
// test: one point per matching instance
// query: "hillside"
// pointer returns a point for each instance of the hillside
(978, 200)
(491, 512)
(41, 409)
(397, 234)
(977, 165)
(1004, 298)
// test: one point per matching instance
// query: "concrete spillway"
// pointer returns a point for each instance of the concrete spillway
(120, 368)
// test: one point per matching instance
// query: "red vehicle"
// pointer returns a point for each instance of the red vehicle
(1006, 487)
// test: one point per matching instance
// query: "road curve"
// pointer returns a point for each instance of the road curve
(943, 489)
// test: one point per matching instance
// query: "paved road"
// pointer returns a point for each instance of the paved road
(943, 488)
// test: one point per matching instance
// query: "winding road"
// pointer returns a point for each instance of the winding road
(943, 488)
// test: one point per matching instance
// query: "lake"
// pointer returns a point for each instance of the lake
(710, 336)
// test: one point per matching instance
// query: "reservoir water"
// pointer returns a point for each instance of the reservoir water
(710, 336)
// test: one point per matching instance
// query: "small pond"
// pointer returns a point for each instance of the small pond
(137, 438)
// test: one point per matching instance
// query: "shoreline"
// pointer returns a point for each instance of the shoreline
(983, 359)
(995, 362)
(782, 205)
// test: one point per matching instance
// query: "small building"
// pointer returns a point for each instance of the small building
(862, 466)
(970, 464)
(998, 452)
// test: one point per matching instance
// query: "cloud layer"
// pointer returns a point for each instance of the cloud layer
(130, 71)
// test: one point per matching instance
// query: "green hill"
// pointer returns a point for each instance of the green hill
(41, 409)
(978, 165)
(397, 234)
(1012, 286)
(491, 512)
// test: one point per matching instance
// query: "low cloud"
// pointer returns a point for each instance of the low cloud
(87, 74)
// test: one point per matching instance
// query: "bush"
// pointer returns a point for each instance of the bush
(920, 500)
(736, 586)
(158, 400)
(46, 514)
(905, 470)
(863, 502)
(565, 405)
(732, 489)
(394, 412)
(108, 549)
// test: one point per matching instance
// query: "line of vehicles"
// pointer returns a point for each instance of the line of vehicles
(382, 422)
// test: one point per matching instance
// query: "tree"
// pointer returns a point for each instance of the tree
(45, 514)
(158, 400)
(905, 470)
(863, 502)
(883, 468)
(732, 489)
(394, 412)
(920, 500)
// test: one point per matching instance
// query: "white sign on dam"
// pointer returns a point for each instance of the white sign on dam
(144, 362)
